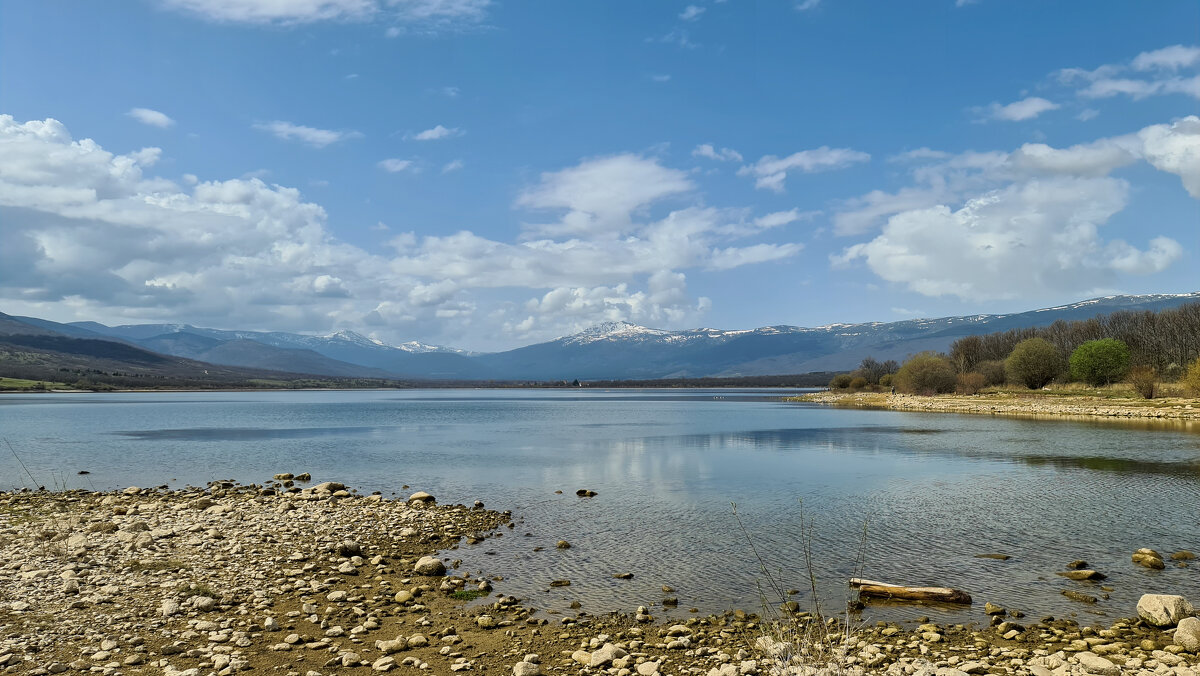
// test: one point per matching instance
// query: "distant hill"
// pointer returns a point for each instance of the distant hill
(611, 351)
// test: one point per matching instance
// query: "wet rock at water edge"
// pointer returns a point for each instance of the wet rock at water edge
(585, 493)
(1082, 574)
(1182, 555)
(1077, 564)
(563, 544)
(423, 497)
(1149, 559)
(1079, 596)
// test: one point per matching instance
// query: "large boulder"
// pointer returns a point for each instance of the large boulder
(428, 565)
(1163, 610)
(1188, 634)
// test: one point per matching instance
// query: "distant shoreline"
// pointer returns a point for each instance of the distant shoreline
(1034, 404)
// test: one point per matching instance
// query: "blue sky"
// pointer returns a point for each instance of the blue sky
(490, 174)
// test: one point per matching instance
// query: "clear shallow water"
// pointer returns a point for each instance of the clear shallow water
(934, 490)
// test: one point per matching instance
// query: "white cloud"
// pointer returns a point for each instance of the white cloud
(770, 171)
(437, 133)
(1153, 73)
(1087, 114)
(1028, 223)
(89, 234)
(290, 12)
(452, 165)
(317, 138)
(1167, 58)
(1021, 241)
(678, 37)
(151, 117)
(395, 165)
(1025, 109)
(602, 194)
(660, 78)
(1175, 148)
(722, 155)
(691, 13)
(806, 5)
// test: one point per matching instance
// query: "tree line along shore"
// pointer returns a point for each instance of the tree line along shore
(1125, 364)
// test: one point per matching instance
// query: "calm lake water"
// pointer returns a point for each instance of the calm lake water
(933, 490)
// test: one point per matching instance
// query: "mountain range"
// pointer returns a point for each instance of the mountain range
(610, 351)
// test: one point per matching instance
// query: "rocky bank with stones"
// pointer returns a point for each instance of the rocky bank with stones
(311, 581)
(1036, 404)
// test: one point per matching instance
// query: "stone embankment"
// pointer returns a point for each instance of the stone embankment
(317, 581)
(1039, 404)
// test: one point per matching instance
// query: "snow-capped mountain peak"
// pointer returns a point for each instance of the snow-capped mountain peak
(613, 331)
(353, 337)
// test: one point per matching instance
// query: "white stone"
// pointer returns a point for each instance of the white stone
(1163, 610)
(1188, 634)
(1094, 664)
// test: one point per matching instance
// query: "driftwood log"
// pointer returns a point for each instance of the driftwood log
(884, 590)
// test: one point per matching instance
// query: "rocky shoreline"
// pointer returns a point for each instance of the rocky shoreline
(1034, 405)
(296, 581)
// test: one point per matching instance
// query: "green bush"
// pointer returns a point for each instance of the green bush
(1144, 380)
(840, 382)
(1191, 379)
(1033, 363)
(926, 373)
(886, 380)
(858, 382)
(992, 372)
(1100, 362)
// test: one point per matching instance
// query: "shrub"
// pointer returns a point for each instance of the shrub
(858, 383)
(1033, 363)
(886, 380)
(1100, 362)
(970, 383)
(1191, 379)
(1144, 380)
(926, 373)
(993, 372)
(840, 382)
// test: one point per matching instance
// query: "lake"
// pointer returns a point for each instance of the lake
(931, 491)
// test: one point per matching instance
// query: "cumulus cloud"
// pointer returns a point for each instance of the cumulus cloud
(150, 117)
(291, 12)
(1014, 242)
(1010, 225)
(92, 234)
(437, 133)
(600, 195)
(317, 138)
(770, 171)
(707, 150)
(1025, 109)
(1175, 148)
